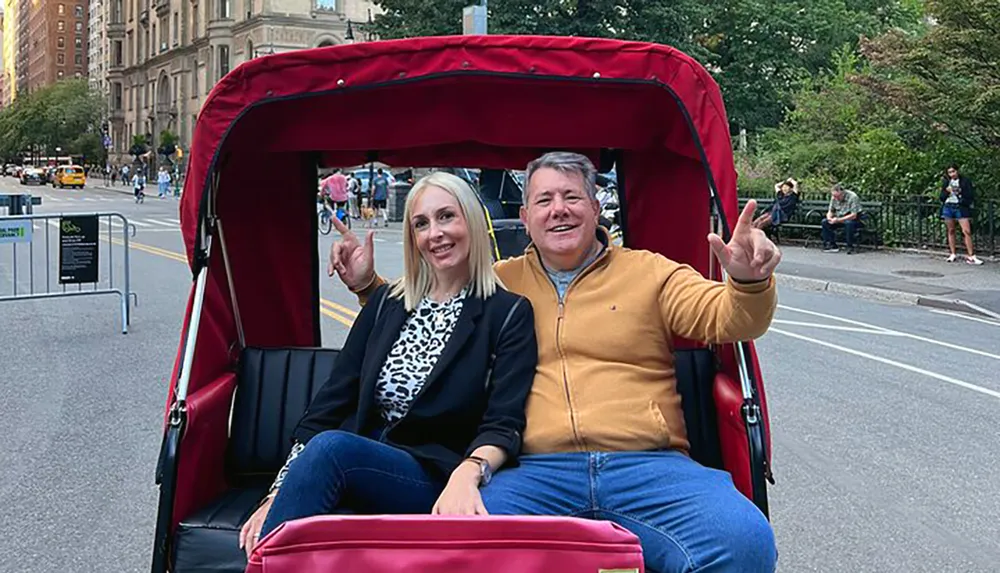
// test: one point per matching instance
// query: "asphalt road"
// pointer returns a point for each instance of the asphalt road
(882, 417)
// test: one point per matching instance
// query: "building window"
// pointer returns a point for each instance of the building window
(78, 11)
(78, 41)
(195, 20)
(78, 59)
(79, 26)
(177, 28)
(61, 10)
(60, 59)
(116, 96)
(224, 6)
(60, 26)
(223, 61)
(326, 5)
(61, 42)
(194, 78)
(116, 52)
(116, 12)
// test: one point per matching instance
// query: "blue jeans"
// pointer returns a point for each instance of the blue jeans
(340, 470)
(830, 235)
(688, 517)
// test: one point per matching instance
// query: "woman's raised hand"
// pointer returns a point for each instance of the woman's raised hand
(353, 262)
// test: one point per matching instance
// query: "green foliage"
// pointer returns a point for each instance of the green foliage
(757, 49)
(66, 115)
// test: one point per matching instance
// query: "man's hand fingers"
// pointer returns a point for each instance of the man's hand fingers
(341, 228)
(746, 217)
(370, 242)
(719, 249)
(769, 266)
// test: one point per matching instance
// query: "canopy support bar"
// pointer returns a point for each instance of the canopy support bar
(232, 287)
(622, 202)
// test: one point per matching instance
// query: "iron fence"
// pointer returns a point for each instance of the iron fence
(903, 223)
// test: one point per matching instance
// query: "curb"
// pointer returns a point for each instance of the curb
(885, 295)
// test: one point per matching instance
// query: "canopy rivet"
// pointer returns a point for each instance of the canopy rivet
(465, 64)
(270, 92)
(340, 82)
(597, 74)
(402, 74)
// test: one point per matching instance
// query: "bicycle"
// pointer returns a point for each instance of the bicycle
(326, 218)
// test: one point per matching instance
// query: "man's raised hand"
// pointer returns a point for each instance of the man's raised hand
(749, 256)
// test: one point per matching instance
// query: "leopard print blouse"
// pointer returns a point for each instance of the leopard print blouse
(410, 361)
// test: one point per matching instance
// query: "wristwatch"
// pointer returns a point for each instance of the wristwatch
(485, 472)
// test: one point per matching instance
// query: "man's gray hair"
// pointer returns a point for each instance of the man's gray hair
(564, 162)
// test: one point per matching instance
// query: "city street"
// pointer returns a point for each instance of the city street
(883, 416)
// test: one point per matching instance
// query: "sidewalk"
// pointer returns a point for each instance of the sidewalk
(896, 276)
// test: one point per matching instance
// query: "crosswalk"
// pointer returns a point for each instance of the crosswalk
(65, 200)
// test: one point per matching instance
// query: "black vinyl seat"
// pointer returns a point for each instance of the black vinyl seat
(274, 387)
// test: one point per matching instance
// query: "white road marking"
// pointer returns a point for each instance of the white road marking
(832, 317)
(831, 327)
(174, 221)
(159, 222)
(901, 365)
(966, 317)
(900, 334)
(139, 223)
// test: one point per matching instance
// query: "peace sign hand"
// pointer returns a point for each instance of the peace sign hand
(353, 262)
(750, 256)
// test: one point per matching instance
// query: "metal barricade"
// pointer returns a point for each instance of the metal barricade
(78, 247)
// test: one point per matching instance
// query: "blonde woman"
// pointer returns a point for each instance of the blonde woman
(428, 395)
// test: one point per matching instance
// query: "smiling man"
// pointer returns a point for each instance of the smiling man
(605, 435)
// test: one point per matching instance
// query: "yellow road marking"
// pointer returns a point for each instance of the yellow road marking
(342, 320)
(336, 306)
(345, 320)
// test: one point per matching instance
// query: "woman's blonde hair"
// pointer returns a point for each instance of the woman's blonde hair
(418, 277)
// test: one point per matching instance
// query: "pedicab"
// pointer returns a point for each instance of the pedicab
(251, 353)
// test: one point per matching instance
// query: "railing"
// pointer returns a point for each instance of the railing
(913, 223)
(74, 256)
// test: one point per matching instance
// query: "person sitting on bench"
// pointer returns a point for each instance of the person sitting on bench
(845, 208)
(786, 202)
(427, 397)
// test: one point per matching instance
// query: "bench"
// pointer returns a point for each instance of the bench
(274, 386)
(807, 222)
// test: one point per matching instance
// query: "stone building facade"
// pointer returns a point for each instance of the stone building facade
(164, 56)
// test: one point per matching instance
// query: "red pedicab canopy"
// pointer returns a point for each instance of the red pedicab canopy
(469, 101)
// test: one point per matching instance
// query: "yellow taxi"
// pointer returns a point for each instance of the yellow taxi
(69, 176)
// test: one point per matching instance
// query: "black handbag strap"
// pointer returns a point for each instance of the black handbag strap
(493, 353)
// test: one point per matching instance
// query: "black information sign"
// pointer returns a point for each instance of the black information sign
(78, 249)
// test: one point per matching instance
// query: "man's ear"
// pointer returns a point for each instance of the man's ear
(523, 215)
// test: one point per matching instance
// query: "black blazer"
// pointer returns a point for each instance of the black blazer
(458, 409)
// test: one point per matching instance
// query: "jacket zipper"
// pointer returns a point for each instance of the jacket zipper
(565, 376)
(577, 439)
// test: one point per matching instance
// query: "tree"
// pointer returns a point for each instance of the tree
(758, 50)
(947, 78)
(66, 114)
